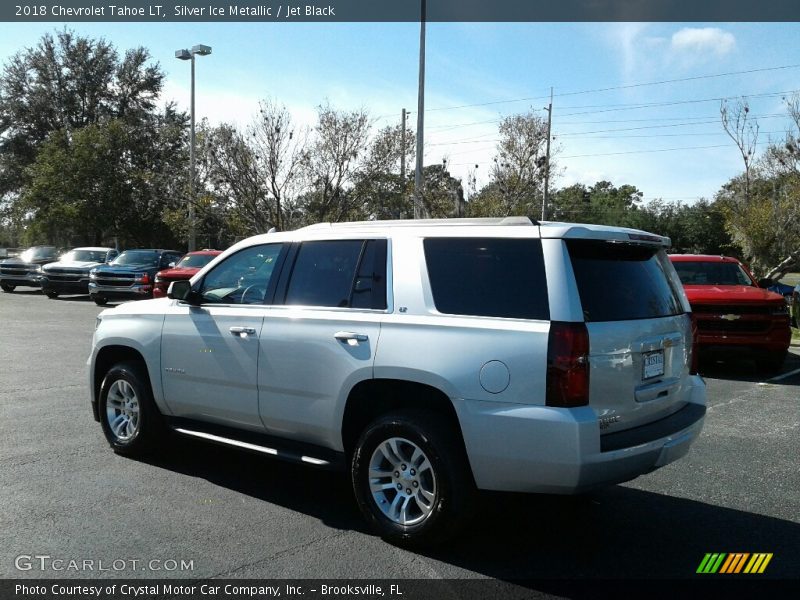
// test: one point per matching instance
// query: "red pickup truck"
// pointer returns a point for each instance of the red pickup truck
(734, 316)
(185, 268)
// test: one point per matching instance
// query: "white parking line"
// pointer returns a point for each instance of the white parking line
(779, 377)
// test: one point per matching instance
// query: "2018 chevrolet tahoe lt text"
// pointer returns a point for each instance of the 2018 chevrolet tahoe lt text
(430, 359)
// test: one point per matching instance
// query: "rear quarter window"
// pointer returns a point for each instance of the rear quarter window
(488, 277)
(620, 282)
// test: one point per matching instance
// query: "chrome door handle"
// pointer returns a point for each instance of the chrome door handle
(243, 331)
(350, 338)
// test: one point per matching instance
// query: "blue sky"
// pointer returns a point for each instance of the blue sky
(675, 150)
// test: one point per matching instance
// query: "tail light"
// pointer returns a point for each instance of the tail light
(693, 358)
(568, 365)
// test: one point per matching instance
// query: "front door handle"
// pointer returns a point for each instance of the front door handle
(350, 338)
(243, 331)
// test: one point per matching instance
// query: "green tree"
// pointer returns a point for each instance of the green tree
(107, 180)
(67, 82)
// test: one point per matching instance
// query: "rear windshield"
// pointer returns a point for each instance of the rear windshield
(489, 277)
(619, 282)
(711, 273)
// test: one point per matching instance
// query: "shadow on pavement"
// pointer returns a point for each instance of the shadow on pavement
(617, 533)
(742, 369)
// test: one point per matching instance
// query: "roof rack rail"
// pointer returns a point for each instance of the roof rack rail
(426, 223)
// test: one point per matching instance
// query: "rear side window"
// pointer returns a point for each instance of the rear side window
(339, 273)
(619, 282)
(488, 277)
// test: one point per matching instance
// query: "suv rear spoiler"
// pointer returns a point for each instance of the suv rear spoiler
(618, 235)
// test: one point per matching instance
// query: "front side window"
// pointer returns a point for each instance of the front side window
(488, 277)
(242, 278)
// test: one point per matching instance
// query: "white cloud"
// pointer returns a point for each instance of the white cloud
(704, 41)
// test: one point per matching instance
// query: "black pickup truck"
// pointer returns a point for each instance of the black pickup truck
(130, 276)
(26, 269)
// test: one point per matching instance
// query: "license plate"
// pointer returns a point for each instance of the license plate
(652, 364)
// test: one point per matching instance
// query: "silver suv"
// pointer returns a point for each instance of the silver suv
(430, 359)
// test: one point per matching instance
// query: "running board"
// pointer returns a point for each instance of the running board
(282, 449)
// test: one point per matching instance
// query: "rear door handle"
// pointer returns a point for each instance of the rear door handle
(350, 338)
(243, 331)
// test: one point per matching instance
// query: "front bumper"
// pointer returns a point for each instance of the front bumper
(541, 449)
(31, 280)
(128, 292)
(65, 287)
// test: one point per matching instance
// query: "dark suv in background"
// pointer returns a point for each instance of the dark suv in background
(130, 276)
(26, 269)
(70, 275)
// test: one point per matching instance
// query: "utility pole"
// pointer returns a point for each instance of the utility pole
(547, 156)
(403, 149)
(420, 116)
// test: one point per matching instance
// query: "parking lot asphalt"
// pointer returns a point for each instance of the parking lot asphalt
(66, 495)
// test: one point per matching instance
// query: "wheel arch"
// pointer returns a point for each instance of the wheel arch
(371, 398)
(107, 357)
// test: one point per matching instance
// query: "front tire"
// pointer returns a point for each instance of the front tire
(7, 288)
(411, 478)
(129, 417)
(50, 294)
(100, 300)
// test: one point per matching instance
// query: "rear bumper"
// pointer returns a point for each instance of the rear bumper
(553, 450)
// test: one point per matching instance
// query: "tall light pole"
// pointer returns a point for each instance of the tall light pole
(420, 115)
(184, 54)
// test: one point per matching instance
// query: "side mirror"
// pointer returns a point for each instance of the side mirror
(182, 290)
(171, 265)
(765, 283)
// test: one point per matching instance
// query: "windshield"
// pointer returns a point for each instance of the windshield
(137, 257)
(195, 261)
(38, 253)
(84, 256)
(712, 273)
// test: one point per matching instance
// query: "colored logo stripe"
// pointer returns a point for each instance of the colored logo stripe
(721, 562)
(758, 563)
(734, 563)
(711, 563)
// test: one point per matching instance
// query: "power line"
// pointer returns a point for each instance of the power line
(617, 87)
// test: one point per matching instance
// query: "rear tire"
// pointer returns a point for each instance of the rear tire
(129, 417)
(411, 478)
(7, 288)
(51, 294)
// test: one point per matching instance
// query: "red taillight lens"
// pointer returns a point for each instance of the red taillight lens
(568, 365)
(693, 358)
